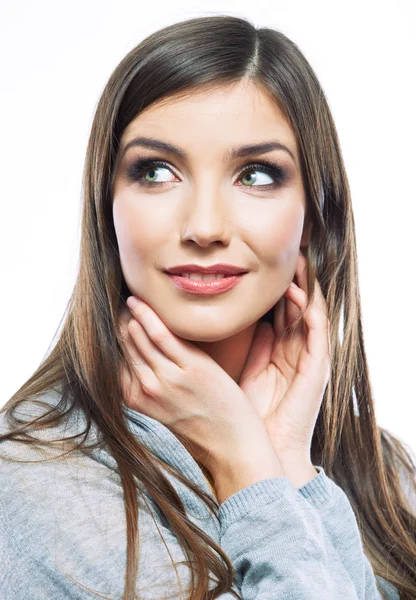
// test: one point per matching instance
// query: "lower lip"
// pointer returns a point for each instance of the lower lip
(216, 286)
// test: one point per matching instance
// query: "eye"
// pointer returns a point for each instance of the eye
(139, 170)
(252, 179)
(147, 165)
(277, 173)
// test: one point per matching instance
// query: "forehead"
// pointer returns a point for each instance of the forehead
(214, 119)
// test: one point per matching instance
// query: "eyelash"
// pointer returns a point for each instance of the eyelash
(137, 169)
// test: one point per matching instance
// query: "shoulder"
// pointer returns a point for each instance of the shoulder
(392, 593)
(41, 474)
(67, 513)
(42, 479)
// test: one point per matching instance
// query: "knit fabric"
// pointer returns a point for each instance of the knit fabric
(63, 526)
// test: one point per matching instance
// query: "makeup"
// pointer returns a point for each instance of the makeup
(215, 286)
(141, 166)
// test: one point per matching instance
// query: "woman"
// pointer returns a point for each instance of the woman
(221, 426)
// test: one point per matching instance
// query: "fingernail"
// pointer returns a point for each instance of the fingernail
(132, 302)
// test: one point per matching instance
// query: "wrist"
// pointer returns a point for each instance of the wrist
(299, 473)
(242, 472)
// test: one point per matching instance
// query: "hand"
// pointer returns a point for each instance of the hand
(285, 377)
(178, 384)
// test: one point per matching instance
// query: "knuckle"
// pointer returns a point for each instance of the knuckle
(173, 377)
(197, 372)
(160, 337)
(133, 326)
(150, 385)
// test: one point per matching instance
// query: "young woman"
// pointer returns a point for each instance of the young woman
(214, 439)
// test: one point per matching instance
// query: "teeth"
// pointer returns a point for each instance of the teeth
(201, 277)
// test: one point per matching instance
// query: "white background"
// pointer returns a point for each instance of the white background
(55, 60)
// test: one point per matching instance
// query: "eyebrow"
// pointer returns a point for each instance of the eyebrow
(232, 154)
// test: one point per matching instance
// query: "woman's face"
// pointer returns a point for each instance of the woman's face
(207, 207)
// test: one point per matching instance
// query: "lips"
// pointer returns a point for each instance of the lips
(217, 269)
(204, 276)
(214, 286)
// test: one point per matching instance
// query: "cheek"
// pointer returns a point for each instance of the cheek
(276, 240)
(139, 231)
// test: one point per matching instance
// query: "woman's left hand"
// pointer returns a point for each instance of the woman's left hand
(285, 377)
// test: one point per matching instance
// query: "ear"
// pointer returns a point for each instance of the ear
(306, 234)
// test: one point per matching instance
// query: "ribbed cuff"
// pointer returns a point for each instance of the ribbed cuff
(319, 489)
(253, 497)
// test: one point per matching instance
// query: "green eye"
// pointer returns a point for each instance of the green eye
(153, 170)
(145, 171)
(252, 179)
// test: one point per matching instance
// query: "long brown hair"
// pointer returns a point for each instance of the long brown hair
(364, 459)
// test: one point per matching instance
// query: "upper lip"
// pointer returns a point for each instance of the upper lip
(217, 268)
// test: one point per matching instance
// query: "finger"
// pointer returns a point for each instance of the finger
(292, 313)
(132, 345)
(137, 378)
(315, 321)
(167, 343)
(280, 317)
(302, 273)
(122, 321)
(155, 359)
(292, 310)
(302, 281)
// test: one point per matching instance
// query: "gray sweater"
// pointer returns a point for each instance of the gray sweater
(62, 522)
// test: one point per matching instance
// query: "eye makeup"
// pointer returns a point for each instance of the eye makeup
(138, 168)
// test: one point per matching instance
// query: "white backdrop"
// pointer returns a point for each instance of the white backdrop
(55, 61)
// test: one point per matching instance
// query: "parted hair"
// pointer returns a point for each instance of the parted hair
(368, 462)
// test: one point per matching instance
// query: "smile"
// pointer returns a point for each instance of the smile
(197, 283)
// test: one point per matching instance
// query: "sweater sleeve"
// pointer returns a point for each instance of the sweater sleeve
(280, 547)
(330, 500)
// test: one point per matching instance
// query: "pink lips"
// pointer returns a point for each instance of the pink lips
(216, 286)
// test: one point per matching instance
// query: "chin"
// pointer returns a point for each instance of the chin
(206, 333)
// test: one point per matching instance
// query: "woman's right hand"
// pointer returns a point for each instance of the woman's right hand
(181, 386)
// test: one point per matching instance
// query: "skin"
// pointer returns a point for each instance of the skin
(207, 211)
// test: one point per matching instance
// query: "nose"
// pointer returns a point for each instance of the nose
(208, 218)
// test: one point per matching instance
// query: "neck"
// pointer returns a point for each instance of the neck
(231, 354)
